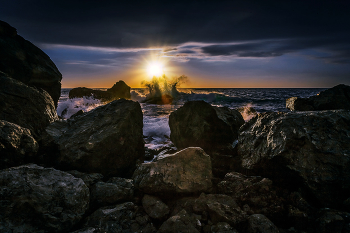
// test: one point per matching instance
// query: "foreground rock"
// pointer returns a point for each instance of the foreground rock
(309, 150)
(185, 172)
(106, 140)
(37, 199)
(197, 123)
(259, 223)
(119, 90)
(25, 106)
(181, 222)
(154, 207)
(25, 62)
(17, 145)
(337, 97)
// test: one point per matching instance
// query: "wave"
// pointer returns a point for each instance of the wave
(66, 108)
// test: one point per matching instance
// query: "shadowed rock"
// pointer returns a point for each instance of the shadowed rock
(154, 207)
(259, 223)
(181, 222)
(25, 62)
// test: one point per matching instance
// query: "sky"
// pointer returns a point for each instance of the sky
(215, 43)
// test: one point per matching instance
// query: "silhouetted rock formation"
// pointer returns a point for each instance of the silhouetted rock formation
(308, 150)
(119, 90)
(25, 62)
(26, 106)
(337, 97)
(37, 199)
(106, 140)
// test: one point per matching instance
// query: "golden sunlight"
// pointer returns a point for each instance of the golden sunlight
(155, 69)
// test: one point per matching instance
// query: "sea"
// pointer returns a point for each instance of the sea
(156, 130)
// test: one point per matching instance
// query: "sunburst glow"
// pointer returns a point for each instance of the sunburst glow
(155, 69)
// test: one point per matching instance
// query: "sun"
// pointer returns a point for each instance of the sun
(155, 69)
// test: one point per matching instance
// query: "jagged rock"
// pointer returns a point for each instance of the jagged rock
(126, 217)
(88, 178)
(17, 145)
(197, 123)
(25, 62)
(25, 106)
(301, 149)
(221, 208)
(106, 140)
(182, 222)
(337, 97)
(223, 227)
(154, 207)
(185, 172)
(120, 90)
(259, 223)
(256, 192)
(112, 192)
(37, 199)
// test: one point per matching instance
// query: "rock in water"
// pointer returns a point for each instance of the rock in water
(106, 140)
(301, 149)
(17, 145)
(37, 199)
(197, 123)
(185, 172)
(120, 90)
(25, 106)
(25, 62)
(337, 97)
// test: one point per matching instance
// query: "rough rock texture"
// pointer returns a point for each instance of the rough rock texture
(17, 145)
(182, 222)
(223, 227)
(88, 178)
(185, 172)
(110, 193)
(37, 199)
(25, 62)
(254, 192)
(106, 140)
(119, 90)
(332, 221)
(25, 106)
(337, 97)
(221, 208)
(197, 123)
(126, 217)
(259, 223)
(309, 150)
(154, 207)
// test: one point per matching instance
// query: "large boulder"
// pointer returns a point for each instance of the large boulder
(308, 150)
(197, 123)
(120, 90)
(37, 199)
(185, 172)
(25, 106)
(17, 145)
(337, 97)
(106, 140)
(25, 62)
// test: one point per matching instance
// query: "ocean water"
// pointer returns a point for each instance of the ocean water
(155, 117)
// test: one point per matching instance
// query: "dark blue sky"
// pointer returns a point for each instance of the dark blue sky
(215, 43)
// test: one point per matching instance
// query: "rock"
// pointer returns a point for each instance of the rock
(37, 199)
(223, 227)
(126, 217)
(182, 222)
(337, 97)
(185, 172)
(87, 230)
(88, 178)
(17, 145)
(78, 113)
(307, 150)
(112, 192)
(154, 207)
(256, 192)
(163, 99)
(106, 140)
(186, 203)
(197, 123)
(221, 208)
(25, 62)
(25, 106)
(297, 218)
(330, 221)
(120, 90)
(259, 223)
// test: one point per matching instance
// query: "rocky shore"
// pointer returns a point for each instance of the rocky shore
(278, 172)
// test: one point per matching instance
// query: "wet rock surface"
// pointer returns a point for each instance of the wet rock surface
(37, 199)
(25, 62)
(17, 145)
(308, 149)
(185, 172)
